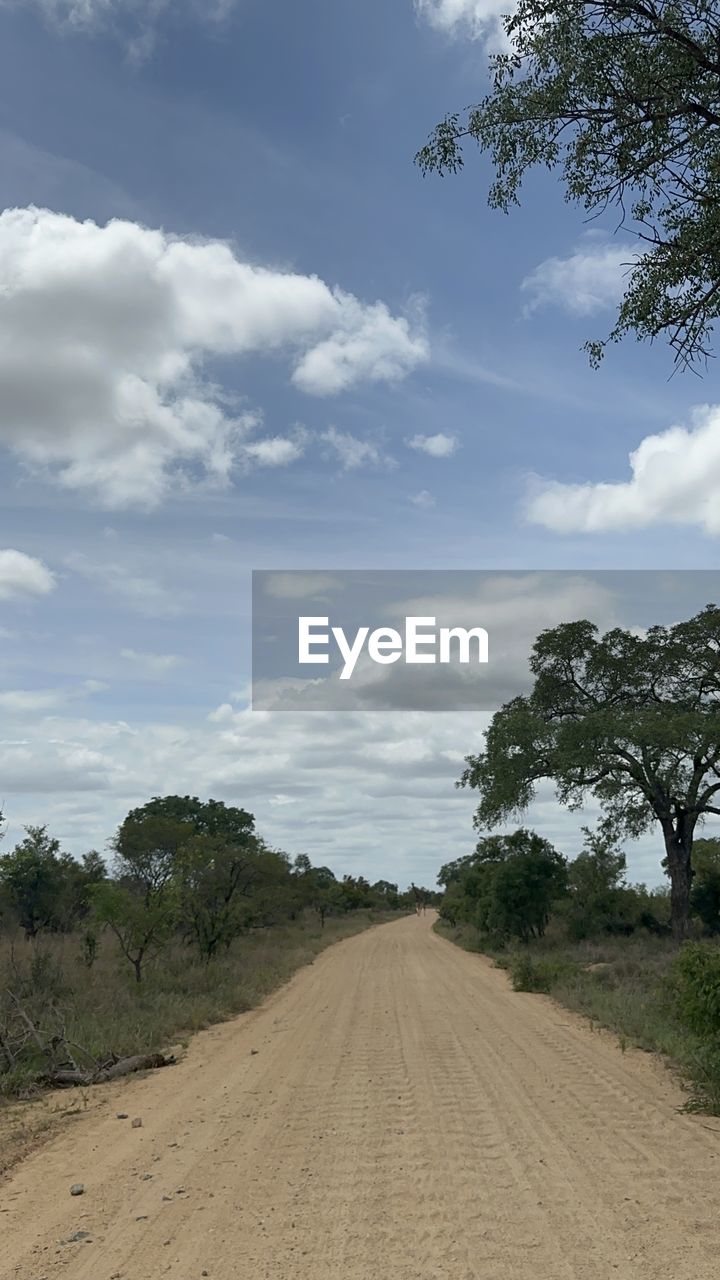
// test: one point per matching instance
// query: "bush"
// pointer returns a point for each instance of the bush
(538, 973)
(697, 987)
(697, 993)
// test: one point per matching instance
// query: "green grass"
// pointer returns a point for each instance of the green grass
(622, 984)
(105, 1011)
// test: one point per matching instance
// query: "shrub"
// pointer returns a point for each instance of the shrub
(527, 974)
(697, 992)
(697, 987)
(538, 973)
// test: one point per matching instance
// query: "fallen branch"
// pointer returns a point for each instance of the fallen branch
(63, 1077)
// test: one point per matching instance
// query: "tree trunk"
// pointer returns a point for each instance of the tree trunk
(137, 966)
(679, 862)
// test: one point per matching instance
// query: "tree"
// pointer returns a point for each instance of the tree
(507, 887)
(524, 885)
(178, 857)
(142, 924)
(705, 896)
(32, 879)
(206, 817)
(623, 98)
(215, 878)
(632, 720)
(355, 893)
(325, 894)
(598, 891)
(44, 887)
(146, 848)
(386, 892)
(140, 906)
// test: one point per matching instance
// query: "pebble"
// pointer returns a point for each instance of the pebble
(77, 1189)
(121, 1115)
(79, 1235)
(137, 1123)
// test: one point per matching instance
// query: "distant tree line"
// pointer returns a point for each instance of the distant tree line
(512, 886)
(180, 869)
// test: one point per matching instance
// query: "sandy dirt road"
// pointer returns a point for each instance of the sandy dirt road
(404, 1115)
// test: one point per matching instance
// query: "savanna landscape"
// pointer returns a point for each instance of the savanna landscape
(359, 640)
(402, 1078)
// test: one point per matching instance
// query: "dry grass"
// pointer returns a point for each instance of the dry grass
(105, 1011)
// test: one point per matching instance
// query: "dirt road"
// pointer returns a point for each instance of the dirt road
(404, 1116)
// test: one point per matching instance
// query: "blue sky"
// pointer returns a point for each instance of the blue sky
(292, 351)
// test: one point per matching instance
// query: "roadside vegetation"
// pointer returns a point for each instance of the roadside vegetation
(631, 721)
(578, 931)
(194, 919)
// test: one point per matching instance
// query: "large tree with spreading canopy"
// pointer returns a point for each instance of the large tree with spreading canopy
(632, 720)
(622, 98)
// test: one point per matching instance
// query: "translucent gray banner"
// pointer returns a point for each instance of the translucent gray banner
(437, 640)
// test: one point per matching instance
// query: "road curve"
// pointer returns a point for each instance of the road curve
(394, 1113)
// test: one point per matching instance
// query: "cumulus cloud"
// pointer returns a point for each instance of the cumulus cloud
(437, 446)
(353, 453)
(675, 479)
(588, 280)
(105, 330)
(22, 575)
(276, 451)
(345, 788)
(369, 344)
(478, 19)
(333, 786)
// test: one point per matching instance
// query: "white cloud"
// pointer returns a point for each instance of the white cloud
(369, 343)
(675, 480)
(478, 19)
(22, 575)
(350, 785)
(134, 20)
(422, 499)
(349, 798)
(590, 279)
(277, 451)
(151, 664)
(105, 330)
(353, 453)
(437, 446)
